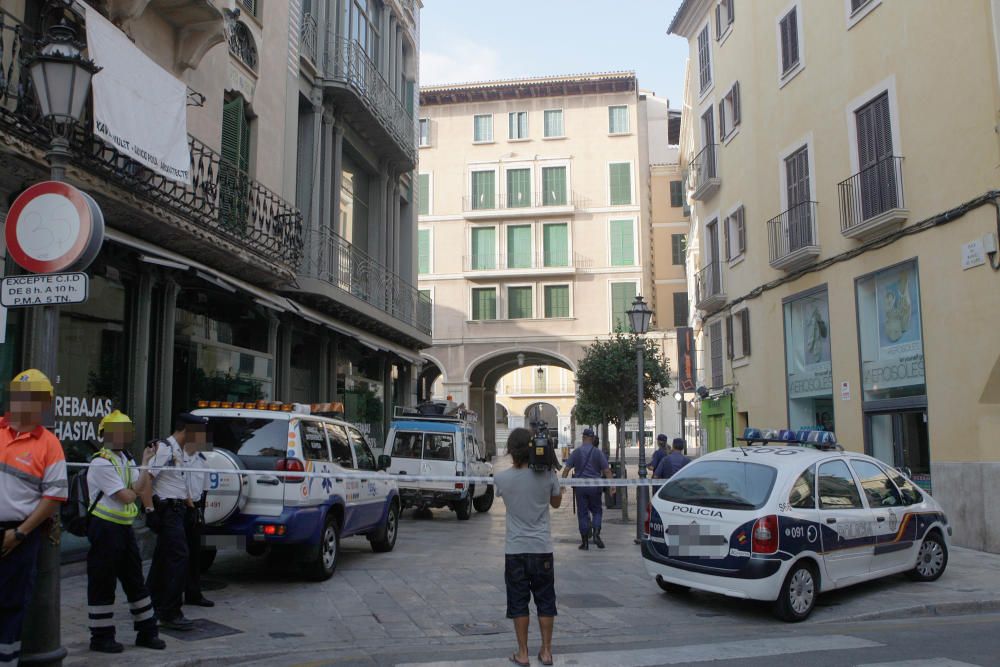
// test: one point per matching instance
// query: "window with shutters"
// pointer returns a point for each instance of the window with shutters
(877, 178)
(553, 122)
(424, 194)
(234, 178)
(482, 128)
(715, 354)
(622, 296)
(555, 244)
(424, 251)
(678, 249)
(484, 303)
(520, 302)
(483, 190)
(680, 309)
(618, 119)
(517, 125)
(677, 194)
(729, 112)
(364, 19)
(425, 132)
(556, 300)
(798, 192)
(704, 60)
(789, 38)
(620, 182)
(484, 248)
(554, 186)
(724, 17)
(518, 188)
(743, 320)
(519, 246)
(249, 6)
(735, 235)
(738, 335)
(622, 242)
(858, 9)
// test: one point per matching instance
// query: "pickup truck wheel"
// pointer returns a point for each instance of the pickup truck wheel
(322, 558)
(384, 538)
(463, 508)
(484, 502)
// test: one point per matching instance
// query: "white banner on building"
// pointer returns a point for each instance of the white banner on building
(140, 109)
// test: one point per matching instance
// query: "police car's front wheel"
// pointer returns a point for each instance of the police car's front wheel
(798, 594)
(322, 561)
(932, 559)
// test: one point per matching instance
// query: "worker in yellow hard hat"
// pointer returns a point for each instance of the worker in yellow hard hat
(115, 485)
(32, 487)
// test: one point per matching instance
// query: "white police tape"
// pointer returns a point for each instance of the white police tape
(384, 476)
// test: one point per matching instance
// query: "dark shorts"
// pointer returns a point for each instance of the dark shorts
(527, 576)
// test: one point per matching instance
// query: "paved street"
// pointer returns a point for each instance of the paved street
(440, 597)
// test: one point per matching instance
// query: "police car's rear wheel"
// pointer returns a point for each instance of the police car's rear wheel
(668, 587)
(384, 539)
(323, 561)
(931, 559)
(484, 502)
(798, 594)
(463, 508)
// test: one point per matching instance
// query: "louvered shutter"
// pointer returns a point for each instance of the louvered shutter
(741, 231)
(424, 251)
(722, 119)
(718, 21)
(745, 322)
(725, 238)
(736, 104)
(729, 336)
(424, 194)
(232, 130)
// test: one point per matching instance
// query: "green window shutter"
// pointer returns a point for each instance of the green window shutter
(622, 296)
(678, 248)
(555, 245)
(484, 248)
(557, 301)
(484, 303)
(424, 251)
(554, 123)
(483, 190)
(518, 303)
(676, 194)
(519, 247)
(554, 186)
(235, 135)
(621, 184)
(622, 243)
(425, 194)
(680, 309)
(483, 128)
(617, 120)
(518, 188)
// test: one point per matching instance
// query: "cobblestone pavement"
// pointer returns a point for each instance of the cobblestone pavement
(440, 596)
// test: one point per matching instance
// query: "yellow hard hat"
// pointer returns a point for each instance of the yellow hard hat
(31, 380)
(116, 417)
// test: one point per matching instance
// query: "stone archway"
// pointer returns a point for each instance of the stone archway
(429, 373)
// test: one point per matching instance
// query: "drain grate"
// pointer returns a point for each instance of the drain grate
(586, 601)
(203, 629)
(470, 629)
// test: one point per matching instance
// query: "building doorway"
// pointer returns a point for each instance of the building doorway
(900, 439)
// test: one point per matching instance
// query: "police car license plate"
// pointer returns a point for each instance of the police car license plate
(696, 541)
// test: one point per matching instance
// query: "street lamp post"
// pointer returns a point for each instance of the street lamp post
(679, 397)
(639, 317)
(60, 76)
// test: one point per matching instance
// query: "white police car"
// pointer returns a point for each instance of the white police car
(788, 516)
(303, 518)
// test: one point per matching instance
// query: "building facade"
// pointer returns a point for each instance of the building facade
(842, 237)
(285, 267)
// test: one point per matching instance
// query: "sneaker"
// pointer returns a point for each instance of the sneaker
(106, 646)
(179, 622)
(150, 641)
(200, 602)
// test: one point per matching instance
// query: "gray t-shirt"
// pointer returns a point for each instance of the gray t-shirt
(526, 494)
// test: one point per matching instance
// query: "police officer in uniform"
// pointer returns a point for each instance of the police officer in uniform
(588, 462)
(195, 522)
(115, 485)
(673, 461)
(168, 572)
(32, 486)
(661, 451)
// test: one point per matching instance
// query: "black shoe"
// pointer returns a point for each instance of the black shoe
(150, 641)
(584, 544)
(200, 602)
(106, 646)
(179, 622)
(597, 538)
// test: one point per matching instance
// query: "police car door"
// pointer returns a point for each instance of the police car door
(892, 549)
(848, 538)
(316, 452)
(373, 493)
(340, 449)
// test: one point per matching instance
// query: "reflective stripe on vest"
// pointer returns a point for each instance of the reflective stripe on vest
(126, 516)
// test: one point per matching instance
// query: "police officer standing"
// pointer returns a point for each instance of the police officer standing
(114, 485)
(195, 521)
(168, 572)
(588, 462)
(661, 451)
(32, 486)
(672, 462)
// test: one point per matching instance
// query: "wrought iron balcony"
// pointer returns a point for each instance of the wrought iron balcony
(792, 237)
(533, 263)
(368, 100)
(709, 293)
(704, 174)
(373, 290)
(309, 38)
(871, 201)
(256, 233)
(515, 205)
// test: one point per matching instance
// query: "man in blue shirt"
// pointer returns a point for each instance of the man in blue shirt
(588, 462)
(673, 461)
(661, 451)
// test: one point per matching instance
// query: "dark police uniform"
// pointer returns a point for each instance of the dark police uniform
(588, 462)
(169, 570)
(195, 521)
(670, 464)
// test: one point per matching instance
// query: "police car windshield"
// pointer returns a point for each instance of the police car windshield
(723, 484)
(250, 437)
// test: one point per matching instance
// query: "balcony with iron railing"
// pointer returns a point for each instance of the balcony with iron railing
(708, 284)
(309, 39)
(703, 171)
(221, 215)
(871, 201)
(518, 205)
(368, 101)
(793, 240)
(358, 288)
(494, 265)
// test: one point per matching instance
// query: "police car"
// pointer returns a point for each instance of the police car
(301, 517)
(789, 515)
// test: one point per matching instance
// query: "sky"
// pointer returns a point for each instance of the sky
(477, 40)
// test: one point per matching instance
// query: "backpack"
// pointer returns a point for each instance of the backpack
(75, 512)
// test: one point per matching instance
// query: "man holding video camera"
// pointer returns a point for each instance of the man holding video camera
(589, 462)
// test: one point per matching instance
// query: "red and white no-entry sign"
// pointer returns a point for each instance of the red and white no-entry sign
(54, 227)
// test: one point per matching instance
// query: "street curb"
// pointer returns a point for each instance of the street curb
(939, 609)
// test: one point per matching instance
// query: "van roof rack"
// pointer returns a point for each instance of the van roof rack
(814, 438)
(436, 411)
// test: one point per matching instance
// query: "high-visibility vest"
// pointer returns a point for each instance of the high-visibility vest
(125, 516)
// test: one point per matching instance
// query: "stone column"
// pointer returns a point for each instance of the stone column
(165, 368)
(475, 403)
(139, 364)
(488, 418)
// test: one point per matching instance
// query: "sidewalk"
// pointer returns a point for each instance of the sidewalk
(441, 591)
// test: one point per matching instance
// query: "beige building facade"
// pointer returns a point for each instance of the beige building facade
(843, 235)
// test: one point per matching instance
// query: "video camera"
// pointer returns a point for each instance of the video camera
(542, 455)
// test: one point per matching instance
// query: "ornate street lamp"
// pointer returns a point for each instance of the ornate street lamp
(639, 317)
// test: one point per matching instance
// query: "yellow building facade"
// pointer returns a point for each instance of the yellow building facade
(842, 177)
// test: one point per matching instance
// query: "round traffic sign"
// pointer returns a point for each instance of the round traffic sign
(52, 227)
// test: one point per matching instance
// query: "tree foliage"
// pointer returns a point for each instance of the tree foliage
(606, 379)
